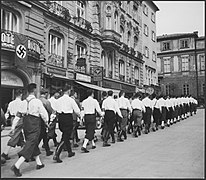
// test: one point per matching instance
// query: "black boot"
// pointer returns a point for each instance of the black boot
(135, 131)
(58, 151)
(139, 130)
(124, 134)
(119, 138)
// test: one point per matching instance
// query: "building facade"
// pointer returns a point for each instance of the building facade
(80, 43)
(150, 74)
(181, 64)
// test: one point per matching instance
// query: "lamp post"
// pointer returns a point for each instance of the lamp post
(196, 68)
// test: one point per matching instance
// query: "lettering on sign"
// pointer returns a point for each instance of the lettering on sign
(98, 73)
(7, 40)
(83, 77)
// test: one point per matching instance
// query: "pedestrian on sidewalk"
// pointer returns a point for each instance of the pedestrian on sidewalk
(32, 110)
(66, 106)
(3, 123)
(163, 111)
(90, 106)
(16, 135)
(110, 107)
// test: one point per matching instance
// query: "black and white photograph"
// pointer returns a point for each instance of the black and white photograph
(103, 89)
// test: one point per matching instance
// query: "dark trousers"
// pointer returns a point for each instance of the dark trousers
(147, 120)
(109, 120)
(163, 114)
(31, 127)
(43, 136)
(156, 116)
(74, 135)
(66, 127)
(90, 124)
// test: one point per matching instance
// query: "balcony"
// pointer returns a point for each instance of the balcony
(121, 77)
(139, 55)
(58, 10)
(82, 23)
(110, 37)
(56, 60)
(132, 51)
(124, 47)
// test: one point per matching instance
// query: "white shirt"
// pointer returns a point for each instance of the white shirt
(162, 103)
(67, 104)
(89, 106)
(13, 107)
(53, 102)
(35, 107)
(123, 103)
(158, 104)
(147, 102)
(137, 104)
(110, 104)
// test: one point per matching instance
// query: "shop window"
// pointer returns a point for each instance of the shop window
(184, 43)
(81, 54)
(121, 70)
(186, 89)
(167, 65)
(9, 21)
(185, 64)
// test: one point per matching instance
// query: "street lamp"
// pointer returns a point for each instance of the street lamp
(196, 68)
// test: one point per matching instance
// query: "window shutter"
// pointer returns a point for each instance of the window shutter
(162, 64)
(179, 64)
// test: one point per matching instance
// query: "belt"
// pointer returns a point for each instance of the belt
(123, 109)
(90, 114)
(64, 113)
(137, 109)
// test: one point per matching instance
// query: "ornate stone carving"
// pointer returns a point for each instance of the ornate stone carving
(122, 20)
(136, 30)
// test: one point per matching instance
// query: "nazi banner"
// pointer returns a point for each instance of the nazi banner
(21, 50)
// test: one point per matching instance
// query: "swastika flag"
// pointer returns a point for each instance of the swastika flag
(21, 50)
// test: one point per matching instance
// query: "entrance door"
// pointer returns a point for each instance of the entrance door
(7, 95)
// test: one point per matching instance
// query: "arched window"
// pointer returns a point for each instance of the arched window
(9, 21)
(104, 62)
(122, 34)
(135, 42)
(116, 21)
(136, 75)
(128, 38)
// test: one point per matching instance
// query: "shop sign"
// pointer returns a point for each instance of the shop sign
(111, 84)
(83, 77)
(7, 40)
(10, 79)
(56, 71)
(98, 73)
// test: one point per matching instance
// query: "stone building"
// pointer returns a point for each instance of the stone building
(177, 58)
(96, 44)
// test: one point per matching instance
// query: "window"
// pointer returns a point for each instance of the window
(121, 70)
(122, 34)
(135, 42)
(80, 9)
(146, 51)
(145, 29)
(128, 38)
(136, 75)
(110, 65)
(145, 10)
(166, 65)
(185, 64)
(154, 56)
(153, 36)
(80, 54)
(55, 44)
(186, 89)
(130, 72)
(9, 21)
(166, 46)
(116, 21)
(184, 43)
(153, 17)
(202, 62)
